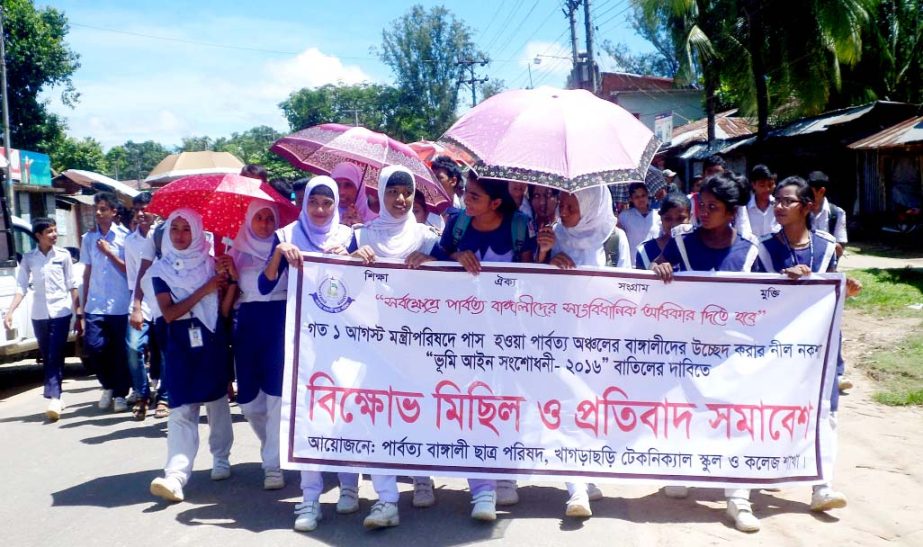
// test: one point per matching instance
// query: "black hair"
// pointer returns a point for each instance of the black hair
(674, 200)
(418, 195)
(637, 186)
(554, 191)
(447, 163)
(300, 184)
(322, 190)
(496, 189)
(282, 186)
(729, 188)
(818, 180)
(255, 171)
(126, 215)
(802, 191)
(108, 197)
(715, 160)
(760, 172)
(41, 224)
(144, 198)
(400, 178)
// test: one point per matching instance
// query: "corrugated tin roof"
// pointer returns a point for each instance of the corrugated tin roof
(909, 131)
(726, 127)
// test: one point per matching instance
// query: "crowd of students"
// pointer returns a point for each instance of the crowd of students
(162, 284)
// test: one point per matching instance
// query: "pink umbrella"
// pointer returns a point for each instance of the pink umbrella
(320, 148)
(567, 139)
(428, 150)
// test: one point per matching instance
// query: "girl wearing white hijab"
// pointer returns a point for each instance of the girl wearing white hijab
(396, 232)
(318, 230)
(187, 288)
(587, 234)
(259, 350)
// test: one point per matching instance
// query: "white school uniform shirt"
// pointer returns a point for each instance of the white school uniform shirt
(639, 228)
(822, 218)
(762, 223)
(52, 277)
(108, 290)
(138, 248)
(249, 269)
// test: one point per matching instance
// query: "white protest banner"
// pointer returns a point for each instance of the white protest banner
(537, 373)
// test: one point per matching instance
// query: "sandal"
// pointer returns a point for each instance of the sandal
(139, 410)
(162, 410)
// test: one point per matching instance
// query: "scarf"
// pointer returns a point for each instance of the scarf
(354, 174)
(184, 271)
(247, 242)
(387, 235)
(305, 235)
(584, 242)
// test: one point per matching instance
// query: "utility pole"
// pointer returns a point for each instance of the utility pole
(8, 179)
(7, 195)
(591, 61)
(570, 11)
(472, 80)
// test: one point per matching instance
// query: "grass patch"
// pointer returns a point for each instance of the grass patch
(886, 248)
(899, 372)
(888, 292)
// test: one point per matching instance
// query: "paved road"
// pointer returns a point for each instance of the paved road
(84, 481)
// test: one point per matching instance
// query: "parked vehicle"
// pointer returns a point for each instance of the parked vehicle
(19, 342)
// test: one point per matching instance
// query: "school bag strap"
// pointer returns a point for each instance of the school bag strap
(833, 214)
(519, 227)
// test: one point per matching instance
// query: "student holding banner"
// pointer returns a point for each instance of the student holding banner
(394, 234)
(587, 235)
(715, 245)
(674, 211)
(797, 250)
(318, 230)
(187, 286)
(490, 229)
(259, 351)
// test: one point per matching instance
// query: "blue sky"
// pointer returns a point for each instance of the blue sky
(148, 71)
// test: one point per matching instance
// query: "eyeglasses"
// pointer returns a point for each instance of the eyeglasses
(787, 202)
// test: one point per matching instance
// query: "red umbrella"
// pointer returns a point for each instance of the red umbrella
(320, 148)
(221, 199)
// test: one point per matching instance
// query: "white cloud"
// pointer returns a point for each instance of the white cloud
(170, 104)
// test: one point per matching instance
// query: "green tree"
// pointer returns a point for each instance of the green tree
(491, 88)
(134, 160)
(659, 31)
(70, 153)
(37, 59)
(891, 67)
(374, 106)
(423, 49)
(252, 146)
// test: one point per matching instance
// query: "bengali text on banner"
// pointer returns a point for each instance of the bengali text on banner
(536, 373)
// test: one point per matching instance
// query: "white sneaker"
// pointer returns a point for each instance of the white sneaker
(826, 498)
(383, 515)
(307, 515)
(349, 500)
(167, 488)
(485, 506)
(132, 397)
(423, 495)
(593, 492)
(119, 405)
(676, 492)
(273, 479)
(740, 512)
(578, 506)
(506, 493)
(54, 410)
(105, 399)
(221, 470)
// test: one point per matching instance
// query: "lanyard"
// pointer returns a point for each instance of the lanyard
(794, 256)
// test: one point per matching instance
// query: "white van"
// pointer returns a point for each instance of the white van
(20, 342)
